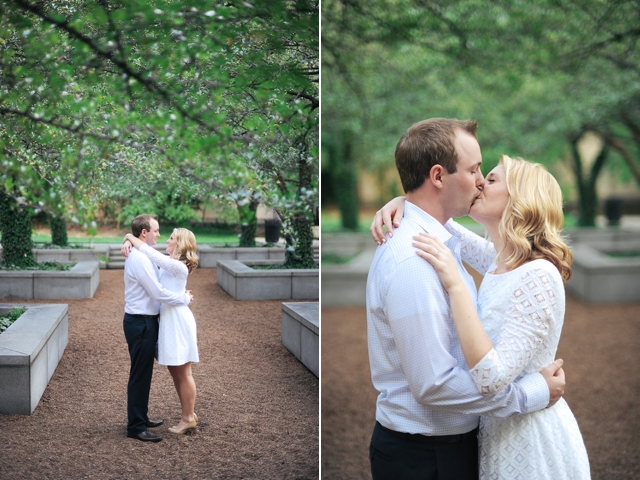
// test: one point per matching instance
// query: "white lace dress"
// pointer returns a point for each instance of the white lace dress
(522, 312)
(177, 337)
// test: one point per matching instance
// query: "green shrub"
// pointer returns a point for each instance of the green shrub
(9, 318)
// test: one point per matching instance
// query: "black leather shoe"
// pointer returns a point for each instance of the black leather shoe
(145, 436)
(154, 423)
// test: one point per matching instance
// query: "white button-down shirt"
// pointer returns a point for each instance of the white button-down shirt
(417, 364)
(143, 292)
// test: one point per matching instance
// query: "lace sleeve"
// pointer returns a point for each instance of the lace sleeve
(478, 252)
(171, 265)
(528, 322)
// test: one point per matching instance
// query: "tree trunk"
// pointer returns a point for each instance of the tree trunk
(587, 194)
(59, 230)
(15, 223)
(344, 176)
(301, 253)
(248, 223)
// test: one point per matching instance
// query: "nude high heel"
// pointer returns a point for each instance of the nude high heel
(191, 426)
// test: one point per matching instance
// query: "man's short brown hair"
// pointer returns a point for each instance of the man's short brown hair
(142, 222)
(428, 143)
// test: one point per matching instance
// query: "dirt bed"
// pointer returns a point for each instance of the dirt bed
(600, 346)
(257, 405)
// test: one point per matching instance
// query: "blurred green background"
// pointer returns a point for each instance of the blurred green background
(555, 82)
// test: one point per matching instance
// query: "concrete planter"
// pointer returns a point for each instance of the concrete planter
(599, 278)
(209, 256)
(244, 283)
(30, 350)
(98, 253)
(300, 333)
(346, 284)
(79, 282)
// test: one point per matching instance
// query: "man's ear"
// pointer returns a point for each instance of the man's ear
(435, 175)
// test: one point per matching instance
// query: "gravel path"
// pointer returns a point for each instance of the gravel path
(257, 404)
(600, 346)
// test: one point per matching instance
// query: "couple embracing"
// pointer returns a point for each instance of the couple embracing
(468, 386)
(158, 321)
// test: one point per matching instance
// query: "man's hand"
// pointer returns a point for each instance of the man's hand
(554, 376)
(126, 248)
(188, 292)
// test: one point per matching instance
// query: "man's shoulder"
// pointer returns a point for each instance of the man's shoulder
(397, 249)
(137, 258)
(400, 243)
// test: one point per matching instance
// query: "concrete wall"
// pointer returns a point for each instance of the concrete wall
(30, 351)
(600, 278)
(80, 282)
(244, 283)
(300, 333)
(209, 256)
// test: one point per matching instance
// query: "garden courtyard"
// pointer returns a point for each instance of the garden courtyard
(600, 345)
(257, 405)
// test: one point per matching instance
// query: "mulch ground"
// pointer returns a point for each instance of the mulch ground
(257, 405)
(600, 346)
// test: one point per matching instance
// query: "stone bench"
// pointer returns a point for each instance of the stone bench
(300, 333)
(80, 282)
(30, 350)
(242, 282)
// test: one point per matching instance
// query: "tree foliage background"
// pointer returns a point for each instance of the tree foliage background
(537, 76)
(145, 106)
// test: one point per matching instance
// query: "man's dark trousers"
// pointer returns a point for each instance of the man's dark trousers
(141, 332)
(396, 455)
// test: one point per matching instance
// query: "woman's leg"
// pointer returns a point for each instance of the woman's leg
(186, 388)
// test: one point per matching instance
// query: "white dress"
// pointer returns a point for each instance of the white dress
(522, 312)
(177, 337)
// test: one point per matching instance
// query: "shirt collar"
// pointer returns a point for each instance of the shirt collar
(427, 222)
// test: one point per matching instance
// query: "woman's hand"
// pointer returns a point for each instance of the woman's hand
(126, 246)
(440, 257)
(473, 339)
(389, 216)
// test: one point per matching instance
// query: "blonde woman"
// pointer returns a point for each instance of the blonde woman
(177, 337)
(520, 312)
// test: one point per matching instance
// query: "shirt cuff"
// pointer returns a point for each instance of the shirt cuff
(537, 391)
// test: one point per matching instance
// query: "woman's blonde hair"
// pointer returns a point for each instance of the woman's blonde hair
(532, 220)
(186, 248)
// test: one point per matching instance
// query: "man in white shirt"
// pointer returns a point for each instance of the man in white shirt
(143, 294)
(428, 409)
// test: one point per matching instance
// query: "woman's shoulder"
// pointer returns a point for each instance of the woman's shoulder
(541, 268)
